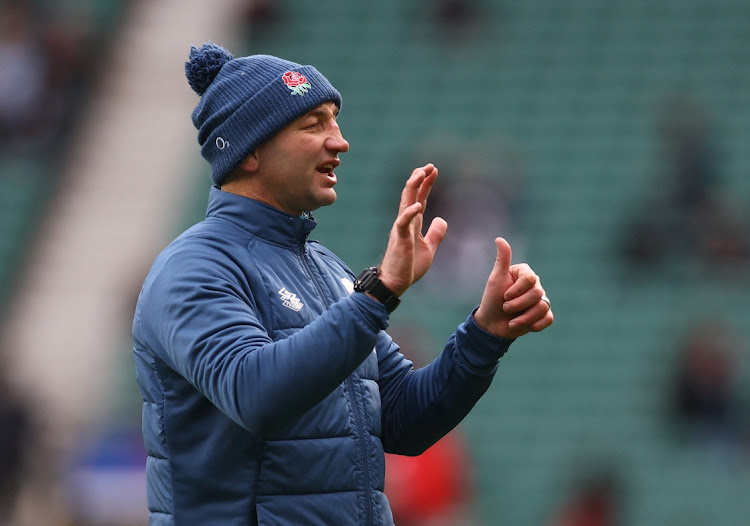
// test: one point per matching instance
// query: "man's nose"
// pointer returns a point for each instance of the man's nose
(337, 142)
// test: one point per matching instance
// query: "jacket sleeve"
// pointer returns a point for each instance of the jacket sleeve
(421, 405)
(200, 322)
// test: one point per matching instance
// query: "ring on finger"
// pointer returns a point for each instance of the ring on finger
(546, 300)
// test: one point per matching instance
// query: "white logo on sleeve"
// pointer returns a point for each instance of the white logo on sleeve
(348, 285)
(290, 300)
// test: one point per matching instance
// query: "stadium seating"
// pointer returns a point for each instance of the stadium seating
(29, 176)
(23, 186)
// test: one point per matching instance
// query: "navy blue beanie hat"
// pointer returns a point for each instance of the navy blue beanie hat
(245, 101)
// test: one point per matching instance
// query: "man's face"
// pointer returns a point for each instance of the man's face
(295, 167)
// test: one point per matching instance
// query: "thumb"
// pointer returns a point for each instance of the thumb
(436, 233)
(504, 256)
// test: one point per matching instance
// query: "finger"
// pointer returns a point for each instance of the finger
(404, 219)
(542, 324)
(530, 316)
(525, 279)
(436, 233)
(422, 193)
(431, 174)
(427, 168)
(409, 193)
(504, 256)
(526, 300)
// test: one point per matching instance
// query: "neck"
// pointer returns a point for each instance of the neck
(245, 187)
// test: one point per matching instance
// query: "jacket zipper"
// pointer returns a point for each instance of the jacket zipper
(350, 390)
(363, 448)
(310, 274)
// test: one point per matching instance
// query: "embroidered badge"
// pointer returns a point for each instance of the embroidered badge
(290, 300)
(296, 82)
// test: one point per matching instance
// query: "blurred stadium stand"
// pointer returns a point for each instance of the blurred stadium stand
(49, 52)
(97, 212)
(576, 85)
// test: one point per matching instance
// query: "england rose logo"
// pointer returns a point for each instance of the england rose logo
(296, 82)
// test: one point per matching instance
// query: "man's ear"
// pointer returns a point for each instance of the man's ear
(251, 163)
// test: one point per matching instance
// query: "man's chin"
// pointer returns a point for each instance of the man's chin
(322, 201)
(329, 198)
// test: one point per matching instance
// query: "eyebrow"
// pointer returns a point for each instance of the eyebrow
(322, 112)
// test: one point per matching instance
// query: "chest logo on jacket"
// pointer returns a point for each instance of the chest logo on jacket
(290, 300)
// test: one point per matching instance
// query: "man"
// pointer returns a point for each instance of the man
(271, 389)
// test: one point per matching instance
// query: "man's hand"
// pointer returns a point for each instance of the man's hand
(514, 302)
(409, 254)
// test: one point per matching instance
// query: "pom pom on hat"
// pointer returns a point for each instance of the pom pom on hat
(204, 64)
(246, 100)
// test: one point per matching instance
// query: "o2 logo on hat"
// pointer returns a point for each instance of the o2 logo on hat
(221, 143)
(296, 82)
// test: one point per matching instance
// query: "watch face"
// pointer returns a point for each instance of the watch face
(366, 280)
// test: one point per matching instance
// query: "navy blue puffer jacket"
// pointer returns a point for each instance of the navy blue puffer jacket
(270, 390)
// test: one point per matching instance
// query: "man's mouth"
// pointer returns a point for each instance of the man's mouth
(327, 170)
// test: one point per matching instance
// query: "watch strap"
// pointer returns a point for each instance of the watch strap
(369, 282)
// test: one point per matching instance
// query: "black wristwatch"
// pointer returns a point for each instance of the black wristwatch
(369, 281)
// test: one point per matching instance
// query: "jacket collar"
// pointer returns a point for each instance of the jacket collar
(259, 218)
